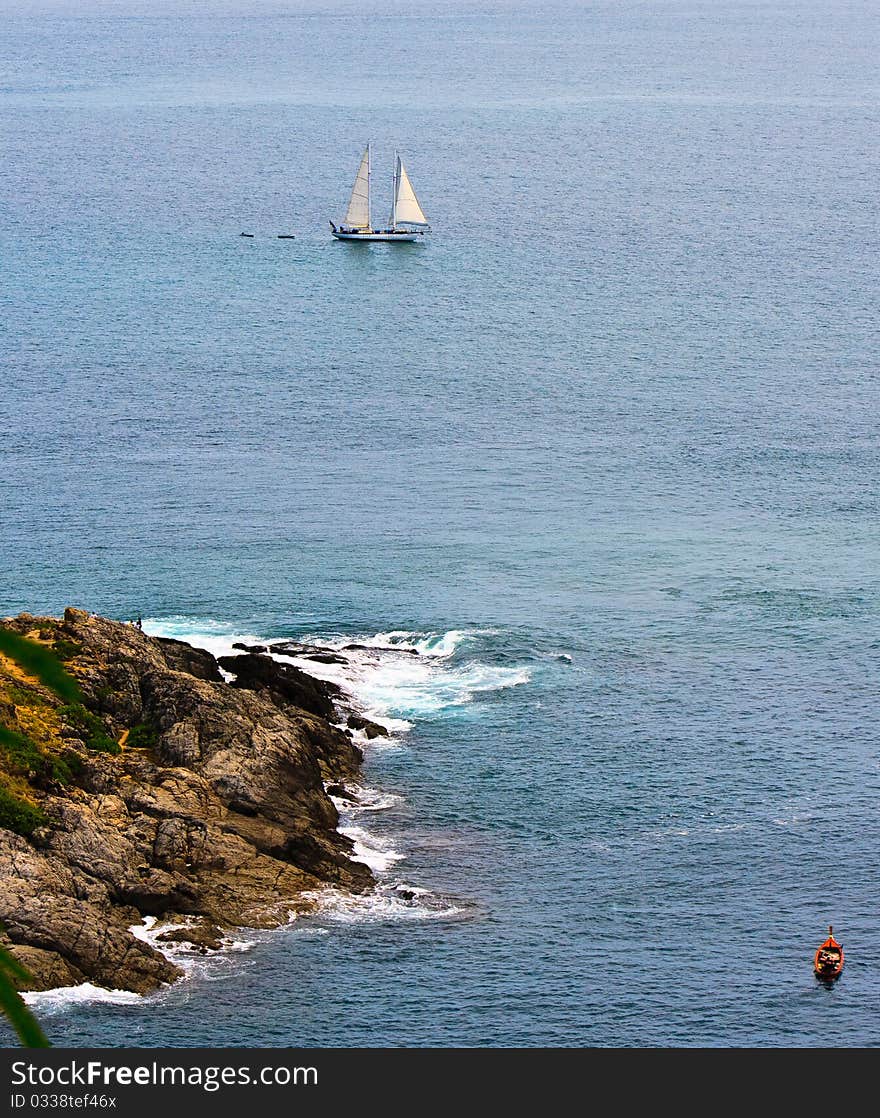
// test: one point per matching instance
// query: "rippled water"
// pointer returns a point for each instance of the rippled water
(611, 434)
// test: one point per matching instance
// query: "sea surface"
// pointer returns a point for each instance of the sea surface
(604, 450)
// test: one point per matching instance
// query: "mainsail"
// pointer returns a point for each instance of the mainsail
(357, 216)
(406, 209)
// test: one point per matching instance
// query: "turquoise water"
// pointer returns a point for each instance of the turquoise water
(615, 426)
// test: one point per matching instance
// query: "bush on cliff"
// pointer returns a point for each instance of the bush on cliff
(142, 736)
(65, 649)
(90, 728)
(19, 754)
(18, 815)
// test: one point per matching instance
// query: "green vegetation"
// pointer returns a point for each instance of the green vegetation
(68, 768)
(26, 758)
(65, 649)
(18, 815)
(22, 759)
(142, 736)
(45, 664)
(26, 1026)
(20, 751)
(90, 728)
(42, 662)
(25, 696)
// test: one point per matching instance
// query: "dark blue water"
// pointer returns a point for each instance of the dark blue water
(621, 408)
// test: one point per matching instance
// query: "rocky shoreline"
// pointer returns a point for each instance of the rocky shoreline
(179, 787)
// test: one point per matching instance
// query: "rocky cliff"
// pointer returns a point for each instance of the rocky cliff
(136, 781)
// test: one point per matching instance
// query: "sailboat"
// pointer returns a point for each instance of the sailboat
(407, 221)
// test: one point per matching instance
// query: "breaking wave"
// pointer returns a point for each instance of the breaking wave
(63, 997)
(393, 678)
(216, 637)
(399, 677)
(390, 901)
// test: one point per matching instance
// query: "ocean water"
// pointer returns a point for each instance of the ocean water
(605, 449)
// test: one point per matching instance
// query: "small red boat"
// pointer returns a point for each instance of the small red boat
(828, 962)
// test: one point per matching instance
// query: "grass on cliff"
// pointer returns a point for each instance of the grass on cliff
(42, 663)
(20, 751)
(45, 664)
(142, 736)
(18, 815)
(23, 756)
(90, 728)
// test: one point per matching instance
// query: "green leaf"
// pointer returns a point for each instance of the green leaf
(26, 1026)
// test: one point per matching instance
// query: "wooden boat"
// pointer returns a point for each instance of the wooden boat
(828, 961)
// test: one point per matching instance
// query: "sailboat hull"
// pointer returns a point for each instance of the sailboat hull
(387, 235)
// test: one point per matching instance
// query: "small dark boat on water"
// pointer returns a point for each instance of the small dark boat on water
(828, 961)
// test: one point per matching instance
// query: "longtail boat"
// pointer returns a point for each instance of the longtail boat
(828, 960)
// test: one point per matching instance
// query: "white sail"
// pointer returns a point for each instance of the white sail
(357, 216)
(406, 210)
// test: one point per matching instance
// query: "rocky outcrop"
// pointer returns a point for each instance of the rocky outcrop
(285, 684)
(366, 726)
(214, 808)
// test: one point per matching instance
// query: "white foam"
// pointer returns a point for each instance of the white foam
(438, 645)
(402, 640)
(366, 799)
(240, 946)
(181, 953)
(395, 728)
(213, 636)
(374, 852)
(144, 930)
(392, 686)
(86, 993)
(387, 903)
(445, 644)
(148, 931)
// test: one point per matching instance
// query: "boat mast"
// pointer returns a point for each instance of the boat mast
(394, 194)
(369, 161)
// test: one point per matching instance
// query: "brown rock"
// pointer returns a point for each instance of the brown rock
(48, 969)
(226, 819)
(370, 728)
